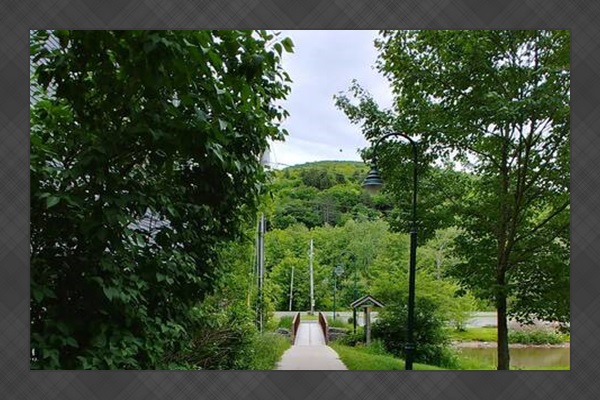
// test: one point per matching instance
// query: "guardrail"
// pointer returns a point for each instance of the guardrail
(324, 326)
(295, 324)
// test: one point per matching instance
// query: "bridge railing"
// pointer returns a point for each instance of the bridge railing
(324, 326)
(295, 325)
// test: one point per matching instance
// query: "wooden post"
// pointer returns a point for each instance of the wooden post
(312, 285)
(368, 324)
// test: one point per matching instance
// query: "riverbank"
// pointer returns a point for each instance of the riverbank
(476, 345)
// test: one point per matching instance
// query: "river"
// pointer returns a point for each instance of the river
(526, 357)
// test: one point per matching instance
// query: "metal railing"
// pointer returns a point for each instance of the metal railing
(295, 325)
(324, 326)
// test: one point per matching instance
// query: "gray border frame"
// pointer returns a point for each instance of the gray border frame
(18, 16)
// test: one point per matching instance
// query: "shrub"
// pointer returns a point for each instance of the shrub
(266, 351)
(144, 163)
(534, 336)
(428, 333)
(353, 339)
(285, 322)
(223, 338)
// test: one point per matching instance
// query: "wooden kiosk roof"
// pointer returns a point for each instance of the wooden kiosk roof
(366, 301)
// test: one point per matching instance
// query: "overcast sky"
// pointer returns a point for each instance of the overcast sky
(323, 64)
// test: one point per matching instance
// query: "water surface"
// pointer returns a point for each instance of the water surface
(525, 357)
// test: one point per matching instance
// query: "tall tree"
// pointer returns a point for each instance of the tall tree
(497, 102)
(145, 159)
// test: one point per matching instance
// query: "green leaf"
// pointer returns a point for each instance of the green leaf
(38, 294)
(140, 240)
(70, 341)
(52, 201)
(201, 115)
(288, 45)
(110, 292)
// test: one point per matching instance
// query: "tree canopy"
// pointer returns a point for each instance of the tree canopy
(145, 161)
(496, 104)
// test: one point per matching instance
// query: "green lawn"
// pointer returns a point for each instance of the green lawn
(489, 334)
(357, 358)
(362, 359)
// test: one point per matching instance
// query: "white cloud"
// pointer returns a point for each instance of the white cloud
(324, 63)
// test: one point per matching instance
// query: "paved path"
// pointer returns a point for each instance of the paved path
(309, 351)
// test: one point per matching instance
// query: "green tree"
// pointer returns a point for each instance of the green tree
(497, 102)
(316, 177)
(145, 149)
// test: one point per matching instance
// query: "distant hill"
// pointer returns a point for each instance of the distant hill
(323, 193)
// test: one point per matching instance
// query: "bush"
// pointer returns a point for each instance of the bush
(534, 336)
(222, 338)
(353, 339)
(139, 175)
(266, 351)
(285, 322)
(429, 333)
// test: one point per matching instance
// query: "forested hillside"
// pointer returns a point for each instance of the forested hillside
(324, 193)
(324, 202)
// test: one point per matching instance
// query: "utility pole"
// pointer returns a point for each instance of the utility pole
(261, 270)
(355, 297)
(291, 288)
(312, 286)
(260, 252)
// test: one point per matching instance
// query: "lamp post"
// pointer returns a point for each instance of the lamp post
(338, 271)
(373, 183)
(354, 266)
(355, 298)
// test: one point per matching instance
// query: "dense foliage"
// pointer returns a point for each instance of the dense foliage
(330, 193)
(429, 332)
(374, 260)
(495, 103)
(323, 193)
(145, 149)
(146, 180)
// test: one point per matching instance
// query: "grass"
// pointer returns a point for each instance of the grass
(474, 335)
(362, 359)
(285, 322)
(473, 364)
(268, 349)
(468, 363)
(338, 323)
(524, 336)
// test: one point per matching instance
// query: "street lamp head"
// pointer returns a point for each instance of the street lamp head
(373, 181)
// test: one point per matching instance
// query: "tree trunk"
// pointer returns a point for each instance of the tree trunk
(503, 352)
(503, 256)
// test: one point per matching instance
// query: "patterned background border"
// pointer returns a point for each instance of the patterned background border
(18, 16)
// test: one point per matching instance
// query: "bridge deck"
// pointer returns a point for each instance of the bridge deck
(309, 351)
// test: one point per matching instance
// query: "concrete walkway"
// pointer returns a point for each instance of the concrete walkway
(309, 351)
